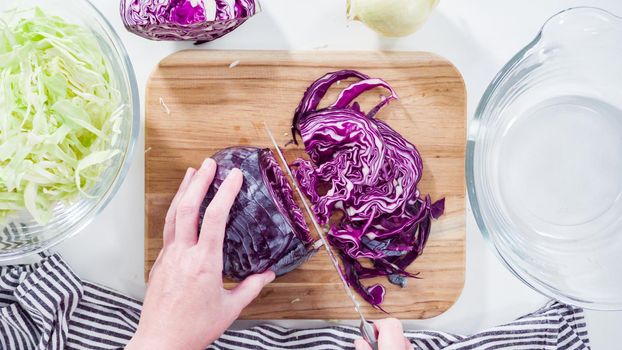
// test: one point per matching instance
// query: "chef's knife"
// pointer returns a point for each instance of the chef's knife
(367, 330)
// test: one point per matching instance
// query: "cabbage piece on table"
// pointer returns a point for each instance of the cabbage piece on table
(193, 20)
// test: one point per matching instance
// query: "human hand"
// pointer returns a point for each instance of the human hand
(186, 305)
(390, 336)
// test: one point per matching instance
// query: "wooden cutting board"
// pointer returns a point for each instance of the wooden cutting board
(199, 102)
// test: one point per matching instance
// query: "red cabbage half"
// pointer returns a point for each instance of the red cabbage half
(195, 20)
(266, 228)
(368, 173)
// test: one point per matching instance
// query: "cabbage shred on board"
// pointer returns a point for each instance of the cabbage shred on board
(365, 171)
(194, 20)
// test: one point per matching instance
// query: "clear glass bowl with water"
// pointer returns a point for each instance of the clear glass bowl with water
(20, 235)
(544, 160)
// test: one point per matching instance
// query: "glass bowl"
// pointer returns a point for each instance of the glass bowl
(544, 160)
(20, 235)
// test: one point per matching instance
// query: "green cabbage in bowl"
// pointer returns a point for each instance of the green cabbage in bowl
(59, 112)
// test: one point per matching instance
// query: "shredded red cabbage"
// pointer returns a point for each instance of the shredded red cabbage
(363, 169)
(185, 19)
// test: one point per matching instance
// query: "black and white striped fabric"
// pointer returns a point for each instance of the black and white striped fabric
(46, 306)
(555, 326)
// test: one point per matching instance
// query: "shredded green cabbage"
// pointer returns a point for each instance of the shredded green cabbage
(60, 112)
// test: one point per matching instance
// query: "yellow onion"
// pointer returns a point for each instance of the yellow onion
(393, 18)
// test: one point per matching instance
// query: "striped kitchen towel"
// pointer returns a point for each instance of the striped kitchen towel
(46, 306)
(555, 326)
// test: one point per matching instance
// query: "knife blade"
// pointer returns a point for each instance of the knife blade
(367, 330)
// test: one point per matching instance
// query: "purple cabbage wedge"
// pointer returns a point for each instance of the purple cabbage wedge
(368, 173)
(194, 20)
(266, 228)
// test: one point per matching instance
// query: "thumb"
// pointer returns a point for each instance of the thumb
(360, 344)
(249, 289)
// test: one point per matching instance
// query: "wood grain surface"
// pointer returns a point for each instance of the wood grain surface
(199, 102)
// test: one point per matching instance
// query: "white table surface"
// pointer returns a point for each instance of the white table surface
(478, 36)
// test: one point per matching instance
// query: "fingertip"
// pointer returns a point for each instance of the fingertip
(269, 276)
(236, 174)
(234, 181)
(390, 333)
(391, 322)
(190, 172)
(208, 163)
(245, 292)
(265, 277)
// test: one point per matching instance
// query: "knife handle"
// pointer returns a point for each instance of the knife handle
(370, 334)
